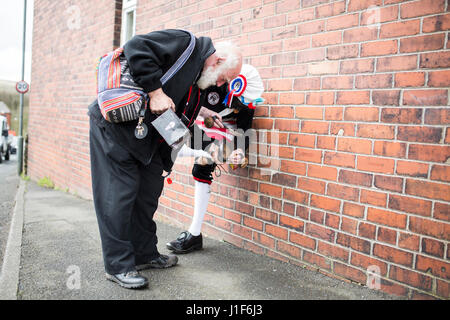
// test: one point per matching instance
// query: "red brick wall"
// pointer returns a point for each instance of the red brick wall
(360, 101)
(68, 39)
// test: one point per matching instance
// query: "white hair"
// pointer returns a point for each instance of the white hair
(230, 51)
(232, 55)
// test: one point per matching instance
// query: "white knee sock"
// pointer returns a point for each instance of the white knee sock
(202, 195)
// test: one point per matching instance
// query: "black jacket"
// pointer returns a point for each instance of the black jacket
(149, 57)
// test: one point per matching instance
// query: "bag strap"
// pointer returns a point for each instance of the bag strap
(180, 62)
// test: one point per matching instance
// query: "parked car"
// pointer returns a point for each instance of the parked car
(5, 143)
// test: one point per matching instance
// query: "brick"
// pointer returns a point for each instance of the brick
(353, 97)
(439, 78)
(342, 52)
(295, 16)
(322, 172)
(400, 29)
(393, 255)
(431, 228)
(349, 225)
(295, 195)
(312, 55)
(342, 22)
(356, 178)
(363, 261)
(433, 248)
(435, 60)
(317, 260)
(279, 85)
(374, 81)
(316, 216)
(320, 98)
(443, 289)
(389, 149)
(414, 169)
(367, 230)
(291, 223)
(436, 23)
(409, 79)
(360, 34)
(289, 249)
(284, 179)
(397, 63)
(318, 127)
(264, 240)
(311, 185)
(338, 82)
(375, 131)
(366, 114)
(333, 113)
(266, 215)
(293, 167)
(387, 235)
(372, 164)
(253, 223)
(411, 205)
(421, 8)
(281, 112)
(386, 97)
(291, 98)
(379, 48)
(269, 189)
(412, 278)
(442, 211)
(279, 233)
(408, 241)
(326, 142)
(326, 39)
(430, 190)
(308, 155)
(350, 273)
(297, 43)
(287, 125)
(357, 244)
(419, 134)
(357, 5)
(325, 203)
(332, 220)
(332, 251)
(302, 240)
(331, 9)
(354, 145)
(438, 268)
(357, 66)
(387, 218)
(422, 43)
(339, 159)
(388, 183)
(310, 83)
(343, 192)
(432, 153)
(401, 115)
(377, 15)
(437, 116)
(311, 27)
(302, 140)
(321, 68)
(342, 129)
(283, 58)
(425, 97)
(320, 232)
(294, 71)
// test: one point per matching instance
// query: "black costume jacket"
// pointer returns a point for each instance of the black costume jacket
(149, 57)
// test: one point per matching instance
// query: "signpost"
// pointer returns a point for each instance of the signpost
(22, 87)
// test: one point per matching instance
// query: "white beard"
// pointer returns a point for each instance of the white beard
(209, 78)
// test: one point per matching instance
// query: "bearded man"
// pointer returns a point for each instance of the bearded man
(127, 173)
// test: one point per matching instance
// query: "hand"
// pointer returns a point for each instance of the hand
(237, 157)
(214, 151)
(160, 102)
(206, 113)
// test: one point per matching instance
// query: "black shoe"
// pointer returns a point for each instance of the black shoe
(186, 243)
(129, 280)
(162, 262)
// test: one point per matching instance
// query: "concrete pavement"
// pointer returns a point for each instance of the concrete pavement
(61, 259)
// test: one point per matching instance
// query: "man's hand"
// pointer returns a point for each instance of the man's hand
(206, 113)
(237, 157)
(160, 102)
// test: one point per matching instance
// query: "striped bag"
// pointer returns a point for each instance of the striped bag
(119, 97)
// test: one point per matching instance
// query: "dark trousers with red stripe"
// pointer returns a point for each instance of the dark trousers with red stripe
(126, 194)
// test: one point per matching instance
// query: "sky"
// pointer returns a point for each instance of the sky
(11, 37)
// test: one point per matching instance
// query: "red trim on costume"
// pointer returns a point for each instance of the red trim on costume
(201, 180)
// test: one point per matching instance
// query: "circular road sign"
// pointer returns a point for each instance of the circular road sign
(22, 87)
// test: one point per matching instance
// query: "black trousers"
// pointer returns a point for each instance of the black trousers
(126, 194)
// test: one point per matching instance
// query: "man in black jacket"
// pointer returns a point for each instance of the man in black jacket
(127, 173)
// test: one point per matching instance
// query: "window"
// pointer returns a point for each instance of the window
(128, 20)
